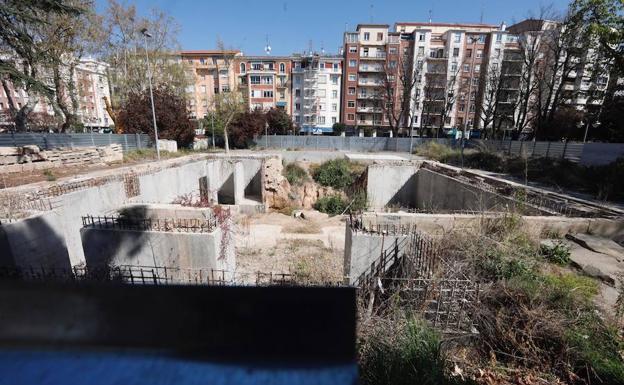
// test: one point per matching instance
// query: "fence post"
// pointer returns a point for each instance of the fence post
(109, 139)
(533, 152)
(565, 147)
(45, 141)
(125, 142)
(137, 139)
(509, 151)
(520, 151)
(14, 141)
(92, 140)
(547, 150)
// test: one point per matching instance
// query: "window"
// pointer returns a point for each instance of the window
(351, 104)
(466, 67)
(350, 116)
(254, 79)
(455, 52)
(453, 67)
(379, 36)
(421, 37)
(322, 79)
(282, 95)
(297, 79)
(482, 39)
(351, 91)
(468, 53)
(336, 66)
(321, 93)
(475, 81)
(334, 107)
(499, 37)
(477, 67)
(393, 64)
(352, 63)
(352, 77)
(334, 79)
(472, 108)
(366, 36)
(335, 94)
(267, 79)
(321, 120)
(392, 50)
(462, 107)
(297, 106)
(267, 94)
(497, 53)
(242, 68)
(479, 54)
(256, 66)
(352, 49)
(334, 120)
(365, 52)
(282, 67)
(297, 93)
(297, 119)
(495, 66)
(457, 37)
(473, 95)
(216, 90)
(421, 51)
(320, 107)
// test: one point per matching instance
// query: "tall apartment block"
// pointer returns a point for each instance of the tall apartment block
(264, 81)
(316, 85)
(211, 72)
(369, 53)
(91, 79)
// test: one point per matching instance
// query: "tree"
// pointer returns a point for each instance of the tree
(227, 106)
(279, 122)
(25, 50)
(338, 128)
(67, 39)
(398, 79)
(605, 19)
(124, 50)
(247, 125)
(172, 118)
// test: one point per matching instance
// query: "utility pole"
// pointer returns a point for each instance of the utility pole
(149, 78)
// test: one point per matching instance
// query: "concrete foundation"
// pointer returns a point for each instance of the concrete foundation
(52, 237)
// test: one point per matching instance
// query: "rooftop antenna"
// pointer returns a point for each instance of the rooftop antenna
(482, 10)
(430, 18)
(267, 48)
(310, 47)
(322, 49)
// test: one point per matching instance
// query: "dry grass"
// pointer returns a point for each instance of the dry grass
(304, 228)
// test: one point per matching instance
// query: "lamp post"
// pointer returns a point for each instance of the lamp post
(149, 78)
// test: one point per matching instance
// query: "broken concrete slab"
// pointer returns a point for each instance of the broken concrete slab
(596, 265)
(599, 245)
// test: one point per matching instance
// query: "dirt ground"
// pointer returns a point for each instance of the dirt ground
(275, 243)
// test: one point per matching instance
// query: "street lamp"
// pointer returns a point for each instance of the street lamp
(149, 78)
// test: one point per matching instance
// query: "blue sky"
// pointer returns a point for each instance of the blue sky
(291, 25)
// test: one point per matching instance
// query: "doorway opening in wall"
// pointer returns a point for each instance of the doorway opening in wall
(253, 190)
(225, 195)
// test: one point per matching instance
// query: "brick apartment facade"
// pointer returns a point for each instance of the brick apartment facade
(265, 81)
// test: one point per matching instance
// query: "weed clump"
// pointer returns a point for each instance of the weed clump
(558, 253)
(337, 173)
(295, 174)
(436, 151)
(332, 204)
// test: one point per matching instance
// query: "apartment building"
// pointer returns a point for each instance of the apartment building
(370, 59)
(211, 72)
(450, 63)
(91, 80)
(264, 81)
(316, 92)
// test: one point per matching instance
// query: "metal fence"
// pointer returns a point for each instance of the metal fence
(186, 225)
(585, 153)
(49, 141)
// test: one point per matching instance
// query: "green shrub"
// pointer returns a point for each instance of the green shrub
(557, 253)
(436, 151)
(495, 267)
(332, 205)
(407, 353)
(295, 174)
(49, 174)
(335, 173)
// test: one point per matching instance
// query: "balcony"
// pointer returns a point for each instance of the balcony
(350, 37)
(373, 56)
(370, 110)
(369, 122)
(368, 96)
(371, 68)
(370, 83)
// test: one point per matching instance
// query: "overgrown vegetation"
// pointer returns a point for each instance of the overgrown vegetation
(295, 174)
(49, 174)
(341, 175)
(603, 182)
(537, 322)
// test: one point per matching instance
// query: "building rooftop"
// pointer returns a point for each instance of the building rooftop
(209, 52)
(454, 25)
(371, 26)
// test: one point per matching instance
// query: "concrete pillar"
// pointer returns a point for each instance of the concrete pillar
(374, 133)
(239, 183)
(361, 133)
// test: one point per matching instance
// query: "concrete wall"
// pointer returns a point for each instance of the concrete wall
(361, 249)
(31, 241)
(392, 184)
